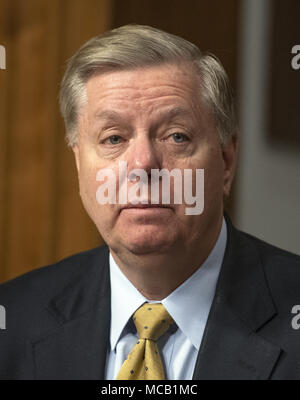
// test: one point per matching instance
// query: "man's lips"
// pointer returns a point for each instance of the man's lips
(145, 206)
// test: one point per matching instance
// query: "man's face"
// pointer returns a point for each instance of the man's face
(152, 118)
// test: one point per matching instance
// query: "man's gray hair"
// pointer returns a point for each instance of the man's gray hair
(133, 46)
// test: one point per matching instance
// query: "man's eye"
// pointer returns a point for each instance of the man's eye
(114, 139)
(179, 137)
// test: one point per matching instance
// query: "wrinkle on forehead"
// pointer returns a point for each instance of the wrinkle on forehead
(166, 91)
(143, 82)
(167, 115)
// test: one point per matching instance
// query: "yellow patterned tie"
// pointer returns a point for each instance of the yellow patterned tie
(144, 362)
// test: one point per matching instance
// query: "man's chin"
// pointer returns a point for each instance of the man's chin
(144, 247)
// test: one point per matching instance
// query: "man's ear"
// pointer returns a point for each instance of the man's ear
(75, 149)
(230, 152)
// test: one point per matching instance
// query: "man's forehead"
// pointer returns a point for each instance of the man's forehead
(110, 98)
(143, 82)
(166, 113)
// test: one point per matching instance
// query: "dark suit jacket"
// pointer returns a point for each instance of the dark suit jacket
(58, 317)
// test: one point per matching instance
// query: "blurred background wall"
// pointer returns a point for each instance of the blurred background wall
(41, 216)
(268, 180)
(42, 219)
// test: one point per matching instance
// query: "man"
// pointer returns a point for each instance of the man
(172, 295)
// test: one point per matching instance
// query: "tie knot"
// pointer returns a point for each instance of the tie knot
(152, 321)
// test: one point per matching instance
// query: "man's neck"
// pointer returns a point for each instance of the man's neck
(158, 275)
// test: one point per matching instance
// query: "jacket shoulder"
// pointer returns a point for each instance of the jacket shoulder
(272, 254)
(282, 270)
(35, 288)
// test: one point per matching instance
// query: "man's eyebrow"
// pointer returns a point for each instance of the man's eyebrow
(108, 115)
(176, 112)
(164, 115)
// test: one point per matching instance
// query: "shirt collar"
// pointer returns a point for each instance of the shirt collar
(195, 294)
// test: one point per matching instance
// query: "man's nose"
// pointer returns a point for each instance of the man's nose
(143, 154)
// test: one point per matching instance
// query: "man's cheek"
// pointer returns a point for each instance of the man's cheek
(88, 188)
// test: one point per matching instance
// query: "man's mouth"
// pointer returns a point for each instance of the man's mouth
(141, 206)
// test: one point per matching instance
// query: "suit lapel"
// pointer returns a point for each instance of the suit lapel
(76, 342)
(232, 347)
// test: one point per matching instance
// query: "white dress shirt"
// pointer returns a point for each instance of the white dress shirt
(189, 305)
